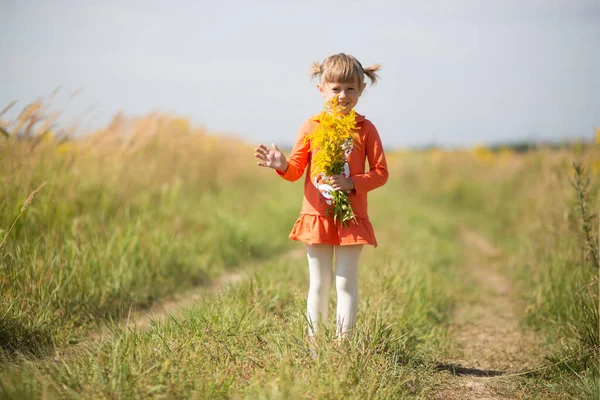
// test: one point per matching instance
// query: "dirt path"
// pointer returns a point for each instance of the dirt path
(141, 319)
(486, 326)
(161, 310)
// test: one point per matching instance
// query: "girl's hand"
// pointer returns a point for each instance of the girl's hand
(272, 158)
(341, 183)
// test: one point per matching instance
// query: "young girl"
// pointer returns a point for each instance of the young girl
(343, 76)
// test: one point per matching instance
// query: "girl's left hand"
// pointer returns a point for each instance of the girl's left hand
(339, 182)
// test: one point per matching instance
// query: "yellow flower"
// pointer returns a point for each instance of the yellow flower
(335, 133)
(505, 153)
(483, 154)
(49, 136)
(596, 168)
(66, 147)
(334, 129)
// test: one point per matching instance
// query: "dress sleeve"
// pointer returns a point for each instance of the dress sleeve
(378, 170)
(299, 156)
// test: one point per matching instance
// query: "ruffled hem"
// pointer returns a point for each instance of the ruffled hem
(318, 229)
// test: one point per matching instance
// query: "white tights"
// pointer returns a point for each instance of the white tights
(320, 261)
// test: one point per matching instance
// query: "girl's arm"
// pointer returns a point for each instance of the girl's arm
(378, 171)
(298, 159)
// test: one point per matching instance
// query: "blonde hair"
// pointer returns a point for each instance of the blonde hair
(343, 68)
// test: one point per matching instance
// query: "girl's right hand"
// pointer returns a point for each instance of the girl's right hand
(272, 158)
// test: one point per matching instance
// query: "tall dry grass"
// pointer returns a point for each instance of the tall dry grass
(129, 214)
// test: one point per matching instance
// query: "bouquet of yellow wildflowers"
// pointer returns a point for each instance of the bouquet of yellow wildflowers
(333, 139)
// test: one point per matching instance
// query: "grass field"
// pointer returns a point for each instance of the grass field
(147, 209)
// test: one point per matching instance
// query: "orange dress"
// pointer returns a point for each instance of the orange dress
(314, 226)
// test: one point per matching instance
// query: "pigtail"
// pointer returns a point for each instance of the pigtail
(371, 72)
(316, 69)
(343, 68)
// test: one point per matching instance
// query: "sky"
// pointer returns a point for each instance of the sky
(454, 72)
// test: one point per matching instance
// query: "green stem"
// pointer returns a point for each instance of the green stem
(11, 228)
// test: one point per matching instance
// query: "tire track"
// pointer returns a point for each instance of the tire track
(161, 310)
(486, 326)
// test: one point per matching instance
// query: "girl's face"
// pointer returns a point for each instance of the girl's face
(348, 93)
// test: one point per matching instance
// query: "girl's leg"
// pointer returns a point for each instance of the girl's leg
(346, 285)
(320, 261)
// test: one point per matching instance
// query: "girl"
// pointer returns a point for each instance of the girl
(343, 76)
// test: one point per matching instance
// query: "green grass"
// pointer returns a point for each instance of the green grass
(533, 214)
(108, 232)
(250, 340)
(88, 249)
